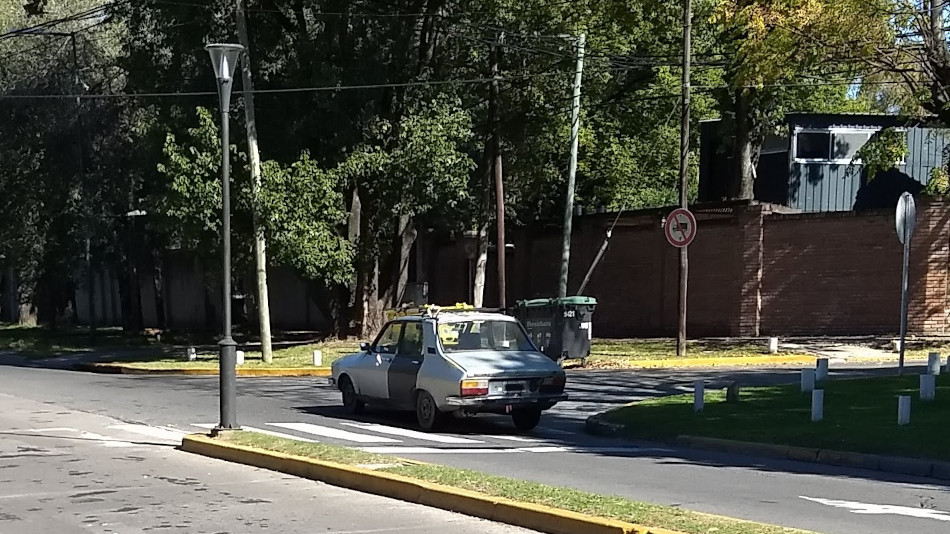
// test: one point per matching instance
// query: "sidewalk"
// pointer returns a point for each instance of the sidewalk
(69, 471)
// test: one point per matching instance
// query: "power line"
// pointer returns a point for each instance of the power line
(330, 88)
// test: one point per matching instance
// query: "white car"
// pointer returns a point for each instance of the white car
(458, 362)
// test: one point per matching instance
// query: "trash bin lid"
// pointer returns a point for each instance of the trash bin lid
(565, 301)
(577, 301)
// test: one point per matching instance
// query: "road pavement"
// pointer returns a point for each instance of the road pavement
(824, 499)
(67, 471)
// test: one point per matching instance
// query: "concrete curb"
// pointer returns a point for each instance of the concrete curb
(120, 369)
(716, 362)
(525, 515)
(873, 462)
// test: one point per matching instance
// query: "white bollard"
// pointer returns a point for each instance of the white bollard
(817, 405)
(191, 354)
(821, 370)
(897, 345)
(933, 363)
(928, 387)
(808, 380)
(318, 358)
(903, 410)
(699, 396)
(773, 345)
(240, 357)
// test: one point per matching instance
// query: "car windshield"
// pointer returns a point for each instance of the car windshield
(483, 335)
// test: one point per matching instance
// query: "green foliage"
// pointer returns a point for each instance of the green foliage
(883, 151)
(939, 184)
(301, 208)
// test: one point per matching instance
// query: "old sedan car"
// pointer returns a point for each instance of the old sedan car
(452, 363)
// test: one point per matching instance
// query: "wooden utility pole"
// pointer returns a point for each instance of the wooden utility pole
(572, 168)
(260, 245)
(684, 172)
(499, 183)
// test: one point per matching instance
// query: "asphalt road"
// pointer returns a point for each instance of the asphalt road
(66, 471)
(819, 498)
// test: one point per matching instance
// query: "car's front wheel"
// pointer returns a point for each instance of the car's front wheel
(427, 413)
(351, 401)
(526, 418)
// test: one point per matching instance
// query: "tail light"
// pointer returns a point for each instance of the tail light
(473, 388)
(553, 383)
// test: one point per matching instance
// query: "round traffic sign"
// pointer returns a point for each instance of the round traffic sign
(680, 227)
(906, 217)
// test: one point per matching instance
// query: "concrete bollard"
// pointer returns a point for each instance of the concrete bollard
(903, 410)
(191, 354)
(699, 396)
(821, 370)
(240, 357)
(773, 345)
(817, 405)
(318, 358)
(808, 380)
(933, 363)
(732, 392)
(928, 387)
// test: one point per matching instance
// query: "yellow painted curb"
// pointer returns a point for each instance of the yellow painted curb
(525, 515)
(718, 362)
(116, 368)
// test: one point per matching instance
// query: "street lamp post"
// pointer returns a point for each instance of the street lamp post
(224, 58)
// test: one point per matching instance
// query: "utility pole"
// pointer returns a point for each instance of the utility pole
(260, 245)
(80, 143)
(572, 168)
(684, 171)
(499, 184)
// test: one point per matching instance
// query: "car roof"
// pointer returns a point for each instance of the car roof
(458, 317)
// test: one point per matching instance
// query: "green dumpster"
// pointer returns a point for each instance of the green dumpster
(560, 327)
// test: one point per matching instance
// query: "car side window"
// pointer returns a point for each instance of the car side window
(411, 344)
(388, 339)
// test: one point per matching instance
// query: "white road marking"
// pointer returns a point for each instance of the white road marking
(422, 436)
(334, 433)
(206, 426)
(41, 430)
(882, 509)
(106, 440)
(151, 431)
(511, 438)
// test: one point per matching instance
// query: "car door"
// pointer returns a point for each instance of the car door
(405, 366)
(373, 378)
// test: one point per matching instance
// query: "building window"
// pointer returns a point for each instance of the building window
(813, 145)
(830, 146)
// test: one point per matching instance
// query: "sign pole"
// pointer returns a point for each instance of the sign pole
(906, 219)
(900, 365)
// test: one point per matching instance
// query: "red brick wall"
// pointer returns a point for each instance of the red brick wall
(752, 272)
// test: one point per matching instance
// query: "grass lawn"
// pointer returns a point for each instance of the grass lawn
(568, 499)
(296, 356)
(860, 416)
(41, 342)
(620, 353)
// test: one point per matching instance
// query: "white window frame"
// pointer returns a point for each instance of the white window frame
(831, 136)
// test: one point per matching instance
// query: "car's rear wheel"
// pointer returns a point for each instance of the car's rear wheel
(351, 401)
(526, 418)
(427, 413)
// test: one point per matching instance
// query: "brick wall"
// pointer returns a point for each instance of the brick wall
(753, 272)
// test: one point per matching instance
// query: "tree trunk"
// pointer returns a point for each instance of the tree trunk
(407, 238)
(158, 286)
(371, 319)
(26, 302)
(744, 169)
(260, 245)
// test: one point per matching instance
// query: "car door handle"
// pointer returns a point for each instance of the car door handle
(416, 362)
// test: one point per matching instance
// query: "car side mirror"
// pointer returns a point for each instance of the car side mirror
(364, 347)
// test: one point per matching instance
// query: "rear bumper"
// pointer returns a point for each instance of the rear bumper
(504, 404)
